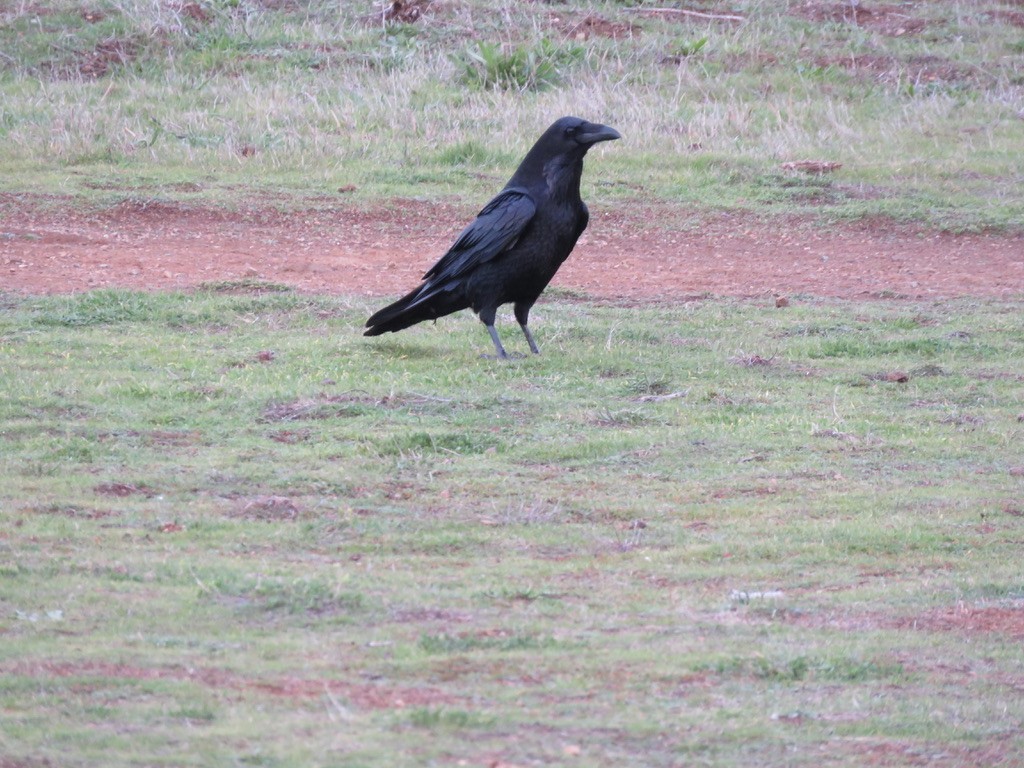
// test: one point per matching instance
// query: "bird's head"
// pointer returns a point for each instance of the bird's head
(557, 158)
(571, 134)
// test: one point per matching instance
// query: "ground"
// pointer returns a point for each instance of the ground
(650, 251)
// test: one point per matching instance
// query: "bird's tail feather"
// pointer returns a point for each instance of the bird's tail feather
(425, 303)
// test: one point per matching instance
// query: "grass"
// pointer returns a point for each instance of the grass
(235, 532)
(219, 101)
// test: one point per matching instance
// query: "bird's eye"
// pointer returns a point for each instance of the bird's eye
(570, 131)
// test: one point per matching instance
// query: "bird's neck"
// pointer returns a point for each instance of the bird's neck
(562, 176)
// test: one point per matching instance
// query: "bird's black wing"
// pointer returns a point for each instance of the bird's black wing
(496, 229)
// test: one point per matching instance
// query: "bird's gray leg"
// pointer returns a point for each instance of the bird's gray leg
(487, 316)
(522, 315)
(529, 339)
(502, 354)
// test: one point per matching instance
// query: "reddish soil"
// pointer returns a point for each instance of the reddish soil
(406, 11)
(362, 695)
(892, 69)
(875, 751)
(891, 20)
(592, 25)
(641, 252)
(971, 620)
(966, 619)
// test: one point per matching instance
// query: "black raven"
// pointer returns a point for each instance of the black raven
(515, 245)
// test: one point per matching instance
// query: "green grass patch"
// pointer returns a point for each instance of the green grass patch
(229, 518)
(213, 102)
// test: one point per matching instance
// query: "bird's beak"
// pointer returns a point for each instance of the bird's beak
(596, 132)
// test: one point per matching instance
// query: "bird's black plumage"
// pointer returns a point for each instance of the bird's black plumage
(513, 248)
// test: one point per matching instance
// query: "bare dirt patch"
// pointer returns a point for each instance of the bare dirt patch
(195, 12)
(363, 696)
(1004, 620)
(1015, 18)
(642, 252)
(106, 55)
(122, 490)
(875, 751)
(406, 11)
(890, 20)
(268, 509)
(75, 512)
(1008, 621)
(594, 26)
(892, 69)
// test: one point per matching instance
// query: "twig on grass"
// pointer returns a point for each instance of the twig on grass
(431, 398)
(204, 588)
(684, 12)
(336, 711)
(662, 398)
(611, 332)
(835, 406)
